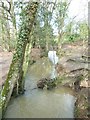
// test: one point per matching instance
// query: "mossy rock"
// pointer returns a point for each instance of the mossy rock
(51, 85)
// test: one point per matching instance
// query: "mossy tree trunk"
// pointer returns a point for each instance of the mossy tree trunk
(16, 69)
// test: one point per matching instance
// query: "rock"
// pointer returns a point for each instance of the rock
(41, 83)
(46, 82)
(51, 85)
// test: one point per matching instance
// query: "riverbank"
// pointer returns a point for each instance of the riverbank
(73, 72)
(80, 90)
(72, 64)
(82, 104)
(5, 61)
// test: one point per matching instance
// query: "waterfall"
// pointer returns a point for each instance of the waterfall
(53, 57)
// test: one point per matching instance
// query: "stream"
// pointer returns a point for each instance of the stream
(38, 103)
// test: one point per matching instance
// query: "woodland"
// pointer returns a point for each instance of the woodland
(44, 56)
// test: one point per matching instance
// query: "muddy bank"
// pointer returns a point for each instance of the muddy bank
(73, 68)
(38, 103)
(81, 95)
(77, 80)
(82, 104)
(5, 61)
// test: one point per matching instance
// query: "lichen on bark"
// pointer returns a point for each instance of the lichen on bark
(16, 69)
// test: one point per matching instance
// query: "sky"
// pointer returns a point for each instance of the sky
(79, 8)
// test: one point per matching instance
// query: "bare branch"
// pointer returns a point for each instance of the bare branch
(7, 18)
(54, 6)
(5, 7)
(9, 5)
(68, 5)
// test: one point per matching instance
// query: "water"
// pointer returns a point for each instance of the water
(36, 103)
(53, 57)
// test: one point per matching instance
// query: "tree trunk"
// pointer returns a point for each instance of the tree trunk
(16, 69)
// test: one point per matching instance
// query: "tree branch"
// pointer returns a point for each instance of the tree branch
(5, 7)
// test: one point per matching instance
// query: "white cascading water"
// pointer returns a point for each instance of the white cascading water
(54, 59)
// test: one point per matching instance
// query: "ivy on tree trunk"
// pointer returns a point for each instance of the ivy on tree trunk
(16, 69)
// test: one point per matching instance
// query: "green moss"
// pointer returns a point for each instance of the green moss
(51, 85)
(60, 79)
(76, 112)
(16, 68)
